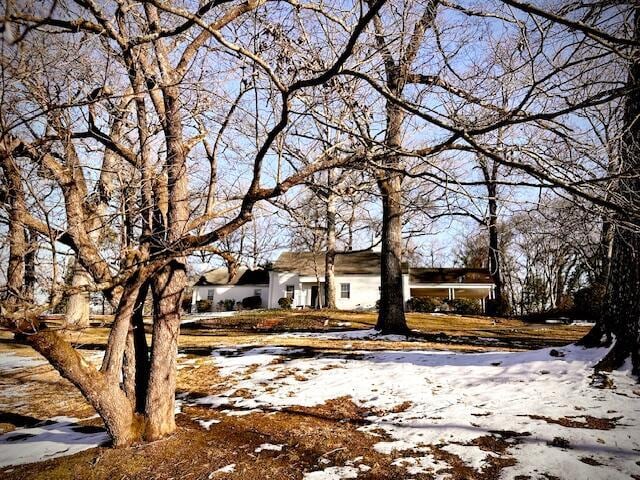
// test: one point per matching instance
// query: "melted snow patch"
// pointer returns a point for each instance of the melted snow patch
(10, 362)
(418, 465)
(228, 469)
(333, 473)
(207, 423)
(369, 334)
(471, 455)
(63, 436)
(269, 446)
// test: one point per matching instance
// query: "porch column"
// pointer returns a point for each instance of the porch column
(194, 300)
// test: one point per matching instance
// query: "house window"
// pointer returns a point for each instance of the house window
(345, 290)
(210, 294)
(257, 292)
(289, 291)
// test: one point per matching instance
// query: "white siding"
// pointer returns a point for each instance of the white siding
(233, 292)
(278, 282)
(364, 291)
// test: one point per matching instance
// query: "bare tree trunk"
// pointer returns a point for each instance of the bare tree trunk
(167, 288)
(391, 317)
(595, 336)
(329, 267)
(30, 267)
(135, 369)
(17, 237)
(621, 312)
(106, 397)
(77, 312)
(169, 283)
(498, 306)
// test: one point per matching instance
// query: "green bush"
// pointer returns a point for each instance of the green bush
(203, 306)
(421, 304)
(252, 302)
(285, 302)
(465, 306)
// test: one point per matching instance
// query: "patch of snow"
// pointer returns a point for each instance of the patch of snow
(10, 362)
(369, 334)
(388, 448)
(269, 446)
(241, 413)
(228, 469)
(450, 394)
(333, 473)
(58, 438)
(232, 363)
(471, 455)
(424, 464)
(207, 423)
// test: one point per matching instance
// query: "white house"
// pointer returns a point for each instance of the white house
(216, 286)
(300, 276)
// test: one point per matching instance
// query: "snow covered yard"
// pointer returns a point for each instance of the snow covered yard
(530, 413)
(323, 409)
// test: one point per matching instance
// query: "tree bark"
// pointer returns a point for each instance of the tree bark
(77, 312)
(391, 318)
(329, 267)
(167, 289)
(17, 236)
(106, 397)
(621, 311)
(135, 369)
(498, 306)
(169, 283)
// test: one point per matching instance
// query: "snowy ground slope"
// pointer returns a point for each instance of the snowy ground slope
(57, 437)
(455, 399)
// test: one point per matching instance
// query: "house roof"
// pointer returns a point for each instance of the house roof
(244, 276)
(449, 275)
(365, 262)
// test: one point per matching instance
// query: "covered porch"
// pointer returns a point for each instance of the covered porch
(451, 291)
(310, 293)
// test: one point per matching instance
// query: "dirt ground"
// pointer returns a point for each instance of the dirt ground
(313, 437)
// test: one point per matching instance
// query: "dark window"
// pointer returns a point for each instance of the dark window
(345, 290)
(290, 291)
(257, 292)
(210, 294)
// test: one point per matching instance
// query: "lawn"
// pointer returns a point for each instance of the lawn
(318, 395)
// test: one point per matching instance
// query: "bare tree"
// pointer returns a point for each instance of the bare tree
(148, 62)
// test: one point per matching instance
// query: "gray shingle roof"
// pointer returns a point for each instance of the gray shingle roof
(244, 276)
(307, 263)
